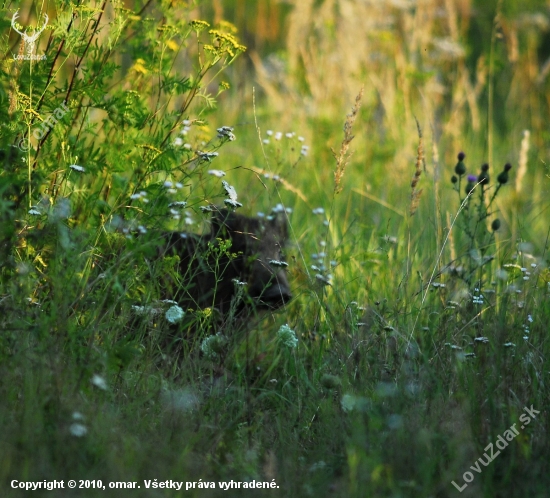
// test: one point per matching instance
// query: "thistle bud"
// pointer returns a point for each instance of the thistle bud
(454, 179)
(460, 168)
(484, 178)
(495, 225)
(502, 178)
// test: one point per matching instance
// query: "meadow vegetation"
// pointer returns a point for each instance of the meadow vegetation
(407, 144)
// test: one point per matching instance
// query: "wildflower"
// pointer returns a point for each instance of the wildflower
(226, 132)
(178, 142)
(99, 382)
(278, 135)
(287, 337)
(213, 345)
(279, 208)
(177, 204)
(232, 194)
(509, 345)
(207, 209)
(207, 156)
(318, 210)
(186, 122)
(198, 25)
(289, 135)
(168, 184)
(139, 195)
(269, 132)
(174, 314)
(484, 178)
(326, 280)
(502, 178)
(34, 211)
(142, 229)
(78, 430)
(265, 141)
(482, 340)
(281, 264)
(301, 139)
(216, 172)
(76, 167)
(472, 180)
(460, 168)
(187, 146)
(304, 150)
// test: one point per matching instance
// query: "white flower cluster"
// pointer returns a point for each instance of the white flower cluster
(287, 337)
(226, 132)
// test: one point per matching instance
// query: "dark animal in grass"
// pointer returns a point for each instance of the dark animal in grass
(210, 269)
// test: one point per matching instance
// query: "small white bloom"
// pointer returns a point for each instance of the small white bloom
(99, 382)
(207, 156)
(301, 139)
(76, 167)
(178, 142)
(265, 141)
(483, 340)
(231, 192)
(186, 122)
(216, 172)
(269, 133)
(78, 430)
(232, 203)
(178, 185)
(275, 262)
(187, 146)
(168, 184)
(318, 210)
(278, 135)
(227, 132)
(177, 204)
(174, 314)
(287, 337)
(34, 211)
(289, 135)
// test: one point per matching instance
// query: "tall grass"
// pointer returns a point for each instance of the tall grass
(420, 338)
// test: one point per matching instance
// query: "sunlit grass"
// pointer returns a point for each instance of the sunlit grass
(417, 332)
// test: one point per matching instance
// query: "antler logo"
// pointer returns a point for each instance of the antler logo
(30, 40)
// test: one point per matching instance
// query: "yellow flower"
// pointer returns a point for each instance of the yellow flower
(139, 67)
(198, 25)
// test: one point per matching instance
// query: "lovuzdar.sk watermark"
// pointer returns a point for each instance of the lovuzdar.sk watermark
(501, 443)
(29, 40)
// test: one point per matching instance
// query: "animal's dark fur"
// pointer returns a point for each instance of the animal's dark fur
(206, 273)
